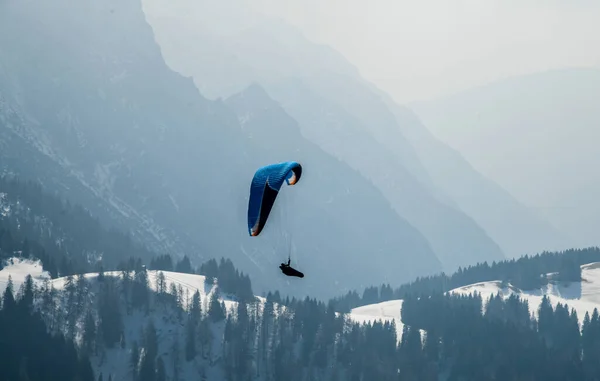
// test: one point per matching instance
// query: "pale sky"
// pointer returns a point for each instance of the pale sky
(420, 49)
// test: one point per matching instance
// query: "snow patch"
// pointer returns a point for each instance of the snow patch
(384, 311)
(18, 269)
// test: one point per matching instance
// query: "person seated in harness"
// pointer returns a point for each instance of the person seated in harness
(289, 270)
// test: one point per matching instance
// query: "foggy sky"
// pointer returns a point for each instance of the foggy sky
(421, 49)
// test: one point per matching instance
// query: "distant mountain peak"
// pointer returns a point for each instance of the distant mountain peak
(252, 99)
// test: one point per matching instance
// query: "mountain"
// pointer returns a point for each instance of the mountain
(517, 228)
(101, 120)
(454, 237)
(535, 136)
(333, 106)
(333, 188)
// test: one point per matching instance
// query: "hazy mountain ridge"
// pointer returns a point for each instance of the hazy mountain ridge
(535, 135)
(456, 240)
(332, 98)
(229, 55)
(108, 125)
(517, 229)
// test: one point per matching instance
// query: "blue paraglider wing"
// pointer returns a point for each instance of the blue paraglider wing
(264, 189)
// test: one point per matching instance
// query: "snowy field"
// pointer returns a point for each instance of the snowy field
(384, 311)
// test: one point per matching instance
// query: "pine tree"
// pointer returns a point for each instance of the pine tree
(190, 340)
(161, 283)
(111, 323)
(8, 299)
(27, 291)
(546, 318)
(140, 293)
(151, 341)
(203, 374)
(175, 295)
(196, 309)
(134, 359)
(161, 374)
(147, 368)
(210, 270)
(175, 353)
(101, 274)
(215, 309)
(89, 333)
(48, 303)
(184, 266)
(206, 337)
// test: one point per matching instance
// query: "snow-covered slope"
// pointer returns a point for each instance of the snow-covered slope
(384, 311)
(582, 296)
(170, 327)
(18, 269)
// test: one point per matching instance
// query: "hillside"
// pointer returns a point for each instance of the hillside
(65, 237)
(534, 135)
(390, 310)
(168, 323)
(582, 296)
(130, 332)
(161, 163)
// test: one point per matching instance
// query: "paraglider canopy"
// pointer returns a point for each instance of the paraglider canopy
(264, 189)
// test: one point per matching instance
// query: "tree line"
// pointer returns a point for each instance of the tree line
(526, 273)
(298, 339)
(68, 241)
(28, 352)
(64, 237)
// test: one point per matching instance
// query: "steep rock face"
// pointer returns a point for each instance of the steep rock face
(105, 109)
(335, 109)
(89, 108)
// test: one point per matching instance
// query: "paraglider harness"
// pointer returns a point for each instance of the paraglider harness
(290, 271)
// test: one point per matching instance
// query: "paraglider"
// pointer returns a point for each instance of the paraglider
(289, 270)
(265, 186)
(264, 189)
